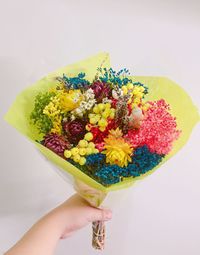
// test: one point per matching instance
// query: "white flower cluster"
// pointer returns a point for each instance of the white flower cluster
(106, 100)
(86, 104)
(77, 97)
(89, 94)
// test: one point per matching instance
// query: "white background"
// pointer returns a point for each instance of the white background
(159, 216)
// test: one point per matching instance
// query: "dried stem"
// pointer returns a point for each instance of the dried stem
(98, 235)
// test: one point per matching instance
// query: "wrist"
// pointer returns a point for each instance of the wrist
(59, 220)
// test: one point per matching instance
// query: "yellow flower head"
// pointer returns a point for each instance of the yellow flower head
(136, 93)
(69, 100)
(117, 150)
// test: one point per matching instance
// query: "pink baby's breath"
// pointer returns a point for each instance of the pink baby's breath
(158, 130)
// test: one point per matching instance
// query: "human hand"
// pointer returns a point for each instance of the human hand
(75, 213)
(60, 223)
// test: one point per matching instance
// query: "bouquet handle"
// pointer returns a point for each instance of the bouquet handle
(98, 235)
(94, 197)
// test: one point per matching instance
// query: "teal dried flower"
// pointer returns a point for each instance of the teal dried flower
(76, 82)
(142, 161)
(110, 76)
(118, 78)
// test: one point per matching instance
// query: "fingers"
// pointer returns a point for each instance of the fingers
(100, 215)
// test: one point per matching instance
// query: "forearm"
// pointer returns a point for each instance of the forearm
(70, 216)
(43, 237)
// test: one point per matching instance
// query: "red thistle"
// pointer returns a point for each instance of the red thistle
(75, 130)
(101, 90)
(56, 143)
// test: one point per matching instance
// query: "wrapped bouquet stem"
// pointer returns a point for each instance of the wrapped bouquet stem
(98, 235)
(94, 197)
(104, 128)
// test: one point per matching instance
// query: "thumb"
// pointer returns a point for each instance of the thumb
(97, 214)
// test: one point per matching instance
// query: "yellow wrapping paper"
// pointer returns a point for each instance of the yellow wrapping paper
(159, 87)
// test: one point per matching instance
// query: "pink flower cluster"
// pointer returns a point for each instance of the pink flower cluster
(158, 130)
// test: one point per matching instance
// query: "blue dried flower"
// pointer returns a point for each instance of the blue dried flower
(76, 82)
(95, 160)
(118, 78)
(109, 174)
(142, 162)
(110, 76)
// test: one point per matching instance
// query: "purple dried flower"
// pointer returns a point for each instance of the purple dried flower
(75, 130)
(56, 143)
(101, 90)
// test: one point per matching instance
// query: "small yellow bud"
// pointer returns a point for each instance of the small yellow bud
(89, 150)
(107, 105)
(82, 151)
(97, 117)
(76, 158)
(112, 114)
(96, 109)
(102, 122)
(91, 145)
(74, 151)
(106, 113)
(67, 153)
(82, 161)
(101, 107)
(83, 143)
(93, 120)
(88, 136)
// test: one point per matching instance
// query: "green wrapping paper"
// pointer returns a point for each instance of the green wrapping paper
(159, 87)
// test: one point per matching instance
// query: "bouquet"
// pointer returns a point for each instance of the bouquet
(104, 127)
